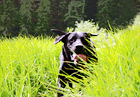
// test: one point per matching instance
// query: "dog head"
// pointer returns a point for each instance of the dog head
(76, 43)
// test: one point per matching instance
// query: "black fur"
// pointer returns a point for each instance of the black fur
(74, 43)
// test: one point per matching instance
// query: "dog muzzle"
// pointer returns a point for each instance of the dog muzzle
(79, 58)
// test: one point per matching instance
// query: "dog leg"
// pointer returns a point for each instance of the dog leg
(61, 84)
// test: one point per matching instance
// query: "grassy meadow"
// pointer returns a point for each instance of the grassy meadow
(29, 67)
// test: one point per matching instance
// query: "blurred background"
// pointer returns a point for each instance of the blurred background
(37, 17)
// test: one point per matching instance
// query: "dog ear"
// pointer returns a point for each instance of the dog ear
(91, 34)
(59, 32)
(59, 38)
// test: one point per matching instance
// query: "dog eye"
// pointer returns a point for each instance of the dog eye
(84, 40)
(72, 40)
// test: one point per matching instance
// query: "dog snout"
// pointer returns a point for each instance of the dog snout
(79, 48)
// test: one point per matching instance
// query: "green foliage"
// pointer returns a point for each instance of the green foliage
(24, 17)
(8, 18)
(37, 17)
(43, 13)
(29, 66)
(137, 20)
(85, 26)
(116, 13)
(58, 9)
(90, 9)
(65, 13)
(76, 10)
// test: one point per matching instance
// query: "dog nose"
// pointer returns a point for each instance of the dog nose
(79, 47)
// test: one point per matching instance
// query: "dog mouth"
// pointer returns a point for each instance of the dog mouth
(77, 58)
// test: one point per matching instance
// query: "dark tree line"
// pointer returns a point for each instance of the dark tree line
(37, 17)
(117, 13)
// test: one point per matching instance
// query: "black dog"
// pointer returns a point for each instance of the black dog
(76, 44)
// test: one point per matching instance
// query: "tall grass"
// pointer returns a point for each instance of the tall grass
(29, 67)
(26, 64)
(118, 71)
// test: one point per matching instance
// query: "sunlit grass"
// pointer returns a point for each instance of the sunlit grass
(117, 73)
(29, 67)
(26, 63)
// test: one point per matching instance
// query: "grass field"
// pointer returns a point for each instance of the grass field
(29, 67)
